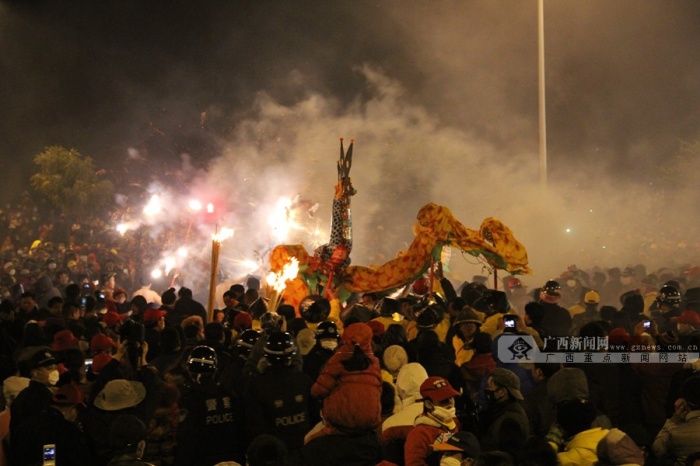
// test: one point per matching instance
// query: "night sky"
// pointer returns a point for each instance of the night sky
(251, 97)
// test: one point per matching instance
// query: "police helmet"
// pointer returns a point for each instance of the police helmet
(327, 330)
(202, 360)
(552, 288)
(246, 341)
(280, 347)
(669, 294)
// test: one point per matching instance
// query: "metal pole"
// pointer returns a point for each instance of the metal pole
(543, 116)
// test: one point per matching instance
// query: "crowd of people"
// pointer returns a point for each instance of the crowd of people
(97, 370)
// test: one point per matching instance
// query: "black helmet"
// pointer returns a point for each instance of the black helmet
(279, 348)
(670, 295)
(246, 341)
(202, 360)
(327, 329)
(552, 288)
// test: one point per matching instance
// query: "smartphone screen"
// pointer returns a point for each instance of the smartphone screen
(50, 454)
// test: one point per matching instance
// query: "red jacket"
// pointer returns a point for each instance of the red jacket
(351, 400)
(418, 449)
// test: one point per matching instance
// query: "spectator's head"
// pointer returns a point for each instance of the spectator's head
(690, 391)
(534, 312)
(502, 385)
(168, 297)
(575, 416)
(214, 332)
(461, 447)
(536, 451)
(618, 448)
(43, 368)
(127, 435)
(266, 450)
(439, 399)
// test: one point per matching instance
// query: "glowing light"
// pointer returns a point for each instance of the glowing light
(156, 273)
(153, 207)
(195, 205)
(222, 235)
(568, 230)
(277, 281)
(122, 228)
(210, 208)
(169, 264)
(248, 265)
(182, 252)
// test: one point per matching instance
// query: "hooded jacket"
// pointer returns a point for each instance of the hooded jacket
(582, 448)
(408, 383)
(351, 399)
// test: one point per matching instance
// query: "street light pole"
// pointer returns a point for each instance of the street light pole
(542, 107)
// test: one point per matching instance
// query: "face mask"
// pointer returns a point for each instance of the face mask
(53, 377)
(445, 414)
(491, 396)
(330, 345)
(571, 283)
(51, 266)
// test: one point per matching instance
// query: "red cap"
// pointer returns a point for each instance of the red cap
(101, 342)
(437, 389)
(377, 327)
(100, 361)
(64, 340)
(243, 321)
(689, 318)
(111, 318)
(68, 394)
(153, 315)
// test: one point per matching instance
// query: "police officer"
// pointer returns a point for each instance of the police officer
(211, 421)
(327, 337)
(277, 402)
(669, 308)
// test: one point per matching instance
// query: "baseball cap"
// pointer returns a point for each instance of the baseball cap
(592, 297)
(689, 318)
(437, 389)
(508, 380)
(459, 441)
(153, 315)
(101, 342)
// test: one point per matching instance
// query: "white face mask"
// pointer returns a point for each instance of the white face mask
(329, 344)
(571, 283)
(53, 377)
(444, 414)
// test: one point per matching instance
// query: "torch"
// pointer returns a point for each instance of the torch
(216, 241)
(278, 282)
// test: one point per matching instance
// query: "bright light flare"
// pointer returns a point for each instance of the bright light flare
(195, 205)
(222, 235)
(568, 230)
(169, 264)
(153, 207)
(210, 208)
(122, 228)
(182, 252)
(156, 273)
(277, 281)
(281, 220)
